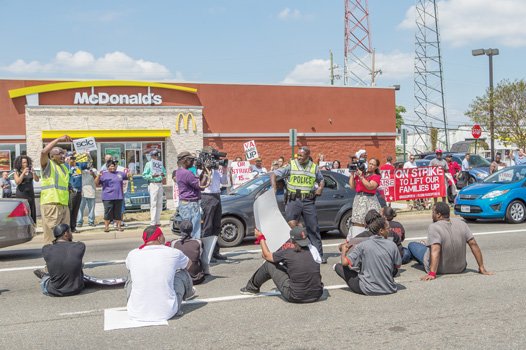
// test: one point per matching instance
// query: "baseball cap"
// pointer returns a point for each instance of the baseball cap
(60, 230)
(360, 152)
(186, 227)
(438, 151)
(155, 152)
(258, 159)
(299, 236)
(185, 154)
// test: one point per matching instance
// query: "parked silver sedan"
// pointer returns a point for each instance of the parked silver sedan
(16, 225)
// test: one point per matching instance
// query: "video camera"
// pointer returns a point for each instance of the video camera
(211, 159)
(359, 165)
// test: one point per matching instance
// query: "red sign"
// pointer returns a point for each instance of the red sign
(413, 183)
(476, 131)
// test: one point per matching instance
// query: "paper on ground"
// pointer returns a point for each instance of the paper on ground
(208, 248)
(269, 220)
(118, 319)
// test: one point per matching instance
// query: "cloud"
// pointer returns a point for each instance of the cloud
(315, 72)
(291, 14)
(394, 65)
(113, 65)
(464, 22)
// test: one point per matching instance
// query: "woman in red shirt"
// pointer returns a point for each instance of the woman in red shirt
(365, 184)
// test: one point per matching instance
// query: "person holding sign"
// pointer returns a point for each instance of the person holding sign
(155, 173)
(440, 162)
(293, 268)
(301, 177)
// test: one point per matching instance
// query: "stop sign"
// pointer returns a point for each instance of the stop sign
(476, 131)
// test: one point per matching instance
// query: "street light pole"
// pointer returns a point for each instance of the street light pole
(490, 53)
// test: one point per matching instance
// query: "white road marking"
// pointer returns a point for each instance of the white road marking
(240, 252)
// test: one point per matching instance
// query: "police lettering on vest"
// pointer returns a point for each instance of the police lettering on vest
(301, 178)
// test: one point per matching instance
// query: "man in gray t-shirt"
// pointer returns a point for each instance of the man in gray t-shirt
(445, 251)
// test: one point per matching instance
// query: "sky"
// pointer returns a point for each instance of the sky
(256, 42)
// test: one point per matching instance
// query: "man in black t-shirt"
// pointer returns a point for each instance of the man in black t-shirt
(293, 269)
(64, 264)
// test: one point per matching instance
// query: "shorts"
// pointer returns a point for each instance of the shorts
(112, 209)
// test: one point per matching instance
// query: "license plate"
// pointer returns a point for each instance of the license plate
(465, 208)
(145, 206)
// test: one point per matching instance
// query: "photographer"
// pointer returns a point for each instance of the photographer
(211, 197)
(365, 181)
(190, 191)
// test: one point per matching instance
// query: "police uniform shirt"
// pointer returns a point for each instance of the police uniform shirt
(285, 172)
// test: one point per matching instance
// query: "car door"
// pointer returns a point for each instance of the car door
(334, 196)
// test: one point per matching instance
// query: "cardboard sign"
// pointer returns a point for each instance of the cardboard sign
(241, 173)
(85, 145)
(157, 167)
(251, 151)
(343, 171)
(413, 183)
(270, 221)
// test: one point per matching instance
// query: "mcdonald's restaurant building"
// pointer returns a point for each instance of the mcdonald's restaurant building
(130, 118)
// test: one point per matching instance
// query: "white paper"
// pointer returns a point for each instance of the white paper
(85, 145)
(270, 221)
(118, 319)
(208, 248)
(251, 151)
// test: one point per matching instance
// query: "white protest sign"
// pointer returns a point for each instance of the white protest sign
(251, 151)
(270, 221)
(85, 145)
(343, 171)
(157, 167)
(241, 173)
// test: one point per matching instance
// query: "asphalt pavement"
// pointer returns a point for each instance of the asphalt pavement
(466, 311)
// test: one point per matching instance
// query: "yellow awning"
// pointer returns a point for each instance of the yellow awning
(107, 134)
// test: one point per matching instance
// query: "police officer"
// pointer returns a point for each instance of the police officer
(301, 177)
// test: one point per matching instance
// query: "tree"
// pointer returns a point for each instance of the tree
(399, 119)
(509, 105)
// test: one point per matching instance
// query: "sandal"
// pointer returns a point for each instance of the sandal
(106, 230)
(120, 229)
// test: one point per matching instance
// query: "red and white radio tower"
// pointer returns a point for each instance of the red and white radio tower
(358, 66)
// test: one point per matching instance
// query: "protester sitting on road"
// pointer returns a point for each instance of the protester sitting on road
(158, 279)
(293, 269)
(193, 249)
(365, 182)
(397, 231)
(377, 260)
(445, 250)
(112, 194)
(63, 258)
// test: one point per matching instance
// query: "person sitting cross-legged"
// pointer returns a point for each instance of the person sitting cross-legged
(193, 249)
(293, 268)
(158, 279)
(369, 268)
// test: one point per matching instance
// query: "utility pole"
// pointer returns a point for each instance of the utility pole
(332, 69)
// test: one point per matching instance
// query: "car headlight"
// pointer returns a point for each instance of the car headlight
(127, 201)
(494, 194)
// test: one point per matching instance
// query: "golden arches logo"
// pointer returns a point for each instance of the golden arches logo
(186, 122)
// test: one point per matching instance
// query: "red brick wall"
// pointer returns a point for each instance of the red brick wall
(333, 148)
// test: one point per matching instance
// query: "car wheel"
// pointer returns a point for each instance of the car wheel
(516, 212)
(345, 223)
(232, 232)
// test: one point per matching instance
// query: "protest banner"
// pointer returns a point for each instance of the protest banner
(413, 183)
(251, 151)
(85, 145)
(343, 171)
(241, 173)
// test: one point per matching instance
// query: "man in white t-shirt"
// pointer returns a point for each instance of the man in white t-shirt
(410, 163)
(158, 281)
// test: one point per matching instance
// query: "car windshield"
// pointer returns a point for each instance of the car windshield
(477, 161)
(507, 175)
(138, 184)
(250, 186)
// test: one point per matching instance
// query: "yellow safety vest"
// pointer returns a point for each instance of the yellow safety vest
(55, 186)
(300, 178)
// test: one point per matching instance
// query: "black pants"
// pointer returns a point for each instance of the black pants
(31, 201)
(281, 279)
(74, 204)
(350, 277)
(296, 209)
(211, 204)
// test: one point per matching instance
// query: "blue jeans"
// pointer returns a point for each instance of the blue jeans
(406, 256)
(191, 211)
(90, 202)
(418, 250)
(43, 284)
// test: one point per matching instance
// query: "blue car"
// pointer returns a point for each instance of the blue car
(500, 196)
(479, 167)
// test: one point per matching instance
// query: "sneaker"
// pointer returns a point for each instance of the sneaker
(123, 224)
(79, 224)
(323, 260)
(334, 267)
(92, 225)
(192, 295)
(247, 291)
(219, 256)
(39, 273)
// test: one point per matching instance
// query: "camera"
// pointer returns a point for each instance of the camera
(359, 165)
(211, 158)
